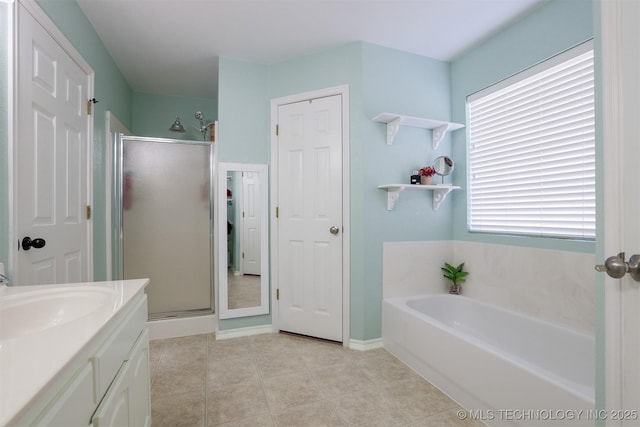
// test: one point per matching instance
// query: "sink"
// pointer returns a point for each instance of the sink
(33, 311)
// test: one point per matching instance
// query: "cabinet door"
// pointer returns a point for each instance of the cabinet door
(140, 403)
(128, 400)
(115, 408)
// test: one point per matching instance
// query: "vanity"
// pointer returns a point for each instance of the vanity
(75, 355)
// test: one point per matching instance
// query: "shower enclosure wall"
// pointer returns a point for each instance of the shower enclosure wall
(164, 216)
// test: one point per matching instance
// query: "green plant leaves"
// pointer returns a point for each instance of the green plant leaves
(455, 274)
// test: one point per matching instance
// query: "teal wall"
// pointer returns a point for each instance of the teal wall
(243, 133)
(403, 83)
(154, 114)
(5, 28)
(113, 93)
(341, 66)
(548, 30)
(379, 79)
(243, 108)
(143, 114)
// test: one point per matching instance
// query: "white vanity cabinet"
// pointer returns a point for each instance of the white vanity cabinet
(106, 384)
(127, 402)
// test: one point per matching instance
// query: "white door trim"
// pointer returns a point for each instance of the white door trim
(41, 17)
(275, 103)
(612, 134)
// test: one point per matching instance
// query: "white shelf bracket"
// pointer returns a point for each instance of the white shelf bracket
(392, 196)
(438, 134)
(439, 195)
(392, 129)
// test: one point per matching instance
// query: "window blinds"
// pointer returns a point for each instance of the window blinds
(531, 151)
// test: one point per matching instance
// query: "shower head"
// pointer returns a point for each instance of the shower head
(177, 126)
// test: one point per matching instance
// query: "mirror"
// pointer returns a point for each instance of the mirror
(243, 256)
(443, 166)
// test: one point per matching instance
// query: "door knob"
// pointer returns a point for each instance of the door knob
(334, 230)
(633, 266)
(616, 267)
(27, 243)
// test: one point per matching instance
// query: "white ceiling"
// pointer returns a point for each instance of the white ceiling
(171, 47)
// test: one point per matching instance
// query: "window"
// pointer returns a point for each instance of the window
(531, 151)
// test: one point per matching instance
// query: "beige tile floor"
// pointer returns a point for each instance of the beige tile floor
(287, 380)
(243, 291)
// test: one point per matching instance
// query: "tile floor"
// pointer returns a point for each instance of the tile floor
(287, 380)
(243, 291)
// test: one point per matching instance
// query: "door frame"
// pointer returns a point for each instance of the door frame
(342, 90)
(612, 131)
(112, 126)
(32, 7)
(616, 139)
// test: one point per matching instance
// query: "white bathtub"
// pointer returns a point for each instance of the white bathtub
(509, 368)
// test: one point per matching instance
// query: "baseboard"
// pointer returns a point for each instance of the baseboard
(181, 327)
(365, 345)
(243, 332)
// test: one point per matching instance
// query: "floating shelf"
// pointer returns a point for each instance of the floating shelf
(440, 192)
(394, 121)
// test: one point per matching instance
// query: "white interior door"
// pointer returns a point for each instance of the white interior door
(251, 220)
(621, 91)
(310, 217)
(52, 174)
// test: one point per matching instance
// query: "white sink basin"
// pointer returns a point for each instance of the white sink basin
(37, 310)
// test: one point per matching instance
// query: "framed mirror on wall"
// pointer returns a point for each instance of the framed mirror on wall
(243, 252)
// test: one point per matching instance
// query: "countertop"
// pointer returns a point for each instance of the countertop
(33, 358)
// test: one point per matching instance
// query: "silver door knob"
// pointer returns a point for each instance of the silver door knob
(334, 230)
(633, 267)
(616, 267)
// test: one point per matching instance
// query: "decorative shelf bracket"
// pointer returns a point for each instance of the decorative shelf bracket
(439, 133)
(440, 193)
(392, 129)
(394, 121)
(393, 194)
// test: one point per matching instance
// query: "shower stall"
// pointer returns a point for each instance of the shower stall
(163, 199)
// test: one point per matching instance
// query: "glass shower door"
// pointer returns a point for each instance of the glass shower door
(166, 222)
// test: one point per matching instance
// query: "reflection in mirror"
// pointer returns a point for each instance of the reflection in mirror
(443, 166)
(243, 284)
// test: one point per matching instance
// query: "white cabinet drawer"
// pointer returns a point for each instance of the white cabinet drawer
(108, 359)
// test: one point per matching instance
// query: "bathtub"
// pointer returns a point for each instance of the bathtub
(504, 367)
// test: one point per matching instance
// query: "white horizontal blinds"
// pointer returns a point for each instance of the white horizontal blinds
(532, 151)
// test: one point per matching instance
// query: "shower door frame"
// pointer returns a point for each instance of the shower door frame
(117, 214)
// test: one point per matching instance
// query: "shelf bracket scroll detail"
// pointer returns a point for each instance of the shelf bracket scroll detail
(439, 133)
(393, 194)
(439, 195)
(392, 129)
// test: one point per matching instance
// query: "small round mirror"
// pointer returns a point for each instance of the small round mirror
(443, 165)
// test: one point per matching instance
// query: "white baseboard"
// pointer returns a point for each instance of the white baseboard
(365, 345)
(244, 332)
(182, 327)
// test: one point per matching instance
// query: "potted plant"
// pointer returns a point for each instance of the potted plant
(425, 175)
(456, 275)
